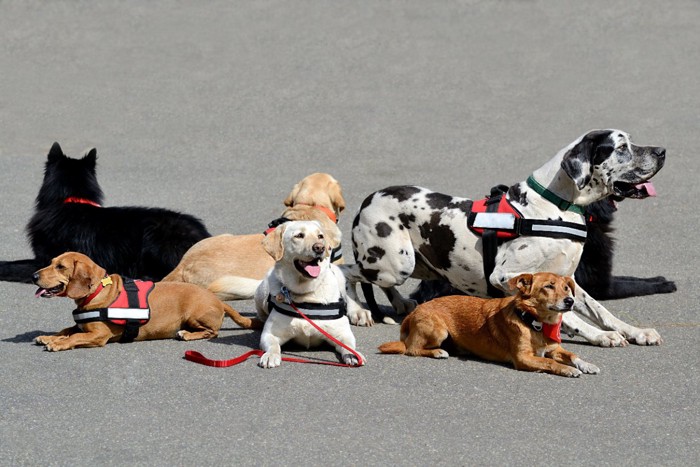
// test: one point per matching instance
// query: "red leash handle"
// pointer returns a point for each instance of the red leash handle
(196, 357)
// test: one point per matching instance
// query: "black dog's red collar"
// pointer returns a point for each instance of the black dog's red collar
(75, 199)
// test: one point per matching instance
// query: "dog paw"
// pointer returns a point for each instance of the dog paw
(645, 337)
(56, 347)
(270, 360)
(43, 340)
(440, 353)
(586, 367)
(360, 317)
(350, 359)
(571, 372)
(609, 339)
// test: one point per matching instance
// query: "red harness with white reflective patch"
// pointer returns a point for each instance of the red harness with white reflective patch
(130, 309)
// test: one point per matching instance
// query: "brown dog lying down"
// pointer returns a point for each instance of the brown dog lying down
(522, 329)
(212, 261)
(185, 311)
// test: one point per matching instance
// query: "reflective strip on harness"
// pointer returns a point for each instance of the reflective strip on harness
(311, 310)
(509, 223)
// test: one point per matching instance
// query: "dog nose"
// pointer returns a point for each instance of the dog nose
(318, 248)
(569, 302)
(35, 277)
(660, 152)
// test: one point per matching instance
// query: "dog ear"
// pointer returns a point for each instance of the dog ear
(336, 195)
(572, 285)
(523, 283)
(91, 157)
(578, 162)
(80, 281)
(55, 153)
(289, 200)
(272, 243)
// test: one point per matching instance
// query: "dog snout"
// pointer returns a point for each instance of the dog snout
(319, 248)
(568, 303)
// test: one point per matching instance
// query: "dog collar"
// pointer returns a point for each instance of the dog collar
(274, 224)
(559, 202)
(550, 331)
(331, 215)
(75, 199)
(104, 282)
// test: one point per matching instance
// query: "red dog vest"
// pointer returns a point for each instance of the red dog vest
(130, 309)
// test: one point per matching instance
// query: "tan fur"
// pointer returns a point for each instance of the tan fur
(179, 310)
(227, 255)
(490, 329)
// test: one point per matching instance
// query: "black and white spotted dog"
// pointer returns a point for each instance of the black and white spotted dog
(409, 231)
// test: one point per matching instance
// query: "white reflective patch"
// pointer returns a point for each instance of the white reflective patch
(127, 313)
(494, 220)
(86, 315)
(559, 229)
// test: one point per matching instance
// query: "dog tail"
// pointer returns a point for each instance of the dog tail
(242, 321)
(397, 347)
(20, 270)
(234, 287)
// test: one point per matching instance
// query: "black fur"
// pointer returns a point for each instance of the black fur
(137, 242)
(594, 272)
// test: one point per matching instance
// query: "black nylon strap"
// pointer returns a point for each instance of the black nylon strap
(339, 306)
(131, 327)
(489, 241)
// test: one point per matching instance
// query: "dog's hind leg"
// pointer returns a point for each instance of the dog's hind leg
(591, 309)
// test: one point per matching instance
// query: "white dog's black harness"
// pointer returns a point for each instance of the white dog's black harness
(324, 311)
(130, 309)
(496, 220)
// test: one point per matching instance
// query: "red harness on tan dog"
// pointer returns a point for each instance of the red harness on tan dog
(130, 309)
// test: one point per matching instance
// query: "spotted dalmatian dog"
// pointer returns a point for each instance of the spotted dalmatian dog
(409, 231)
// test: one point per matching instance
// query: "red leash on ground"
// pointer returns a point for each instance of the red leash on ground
(196, 357)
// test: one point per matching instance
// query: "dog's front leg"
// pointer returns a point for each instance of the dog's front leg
(561, 355)
(348, 339)
(95, 337)
(271, 343)
(591, 309)
(358, 316)
(574, 325)
(545, 365)
(62, 334)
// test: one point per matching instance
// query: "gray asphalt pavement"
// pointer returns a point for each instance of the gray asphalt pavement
(218, 108)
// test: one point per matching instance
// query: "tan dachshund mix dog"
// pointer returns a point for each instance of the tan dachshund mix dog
(185, 311)
(522, 329)
(213, 261)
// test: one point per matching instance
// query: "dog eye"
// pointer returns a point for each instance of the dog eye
(320, 236)
(60, 266)
(549, 286)
(299, 235)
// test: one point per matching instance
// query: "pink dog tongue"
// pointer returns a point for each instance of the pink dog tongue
(312, 270)
(648, 187)
(39, 292)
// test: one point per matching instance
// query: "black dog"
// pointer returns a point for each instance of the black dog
(138, 242)
(594, 272)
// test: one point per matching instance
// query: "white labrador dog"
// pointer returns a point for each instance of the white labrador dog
(409, 231)
(304, 275)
